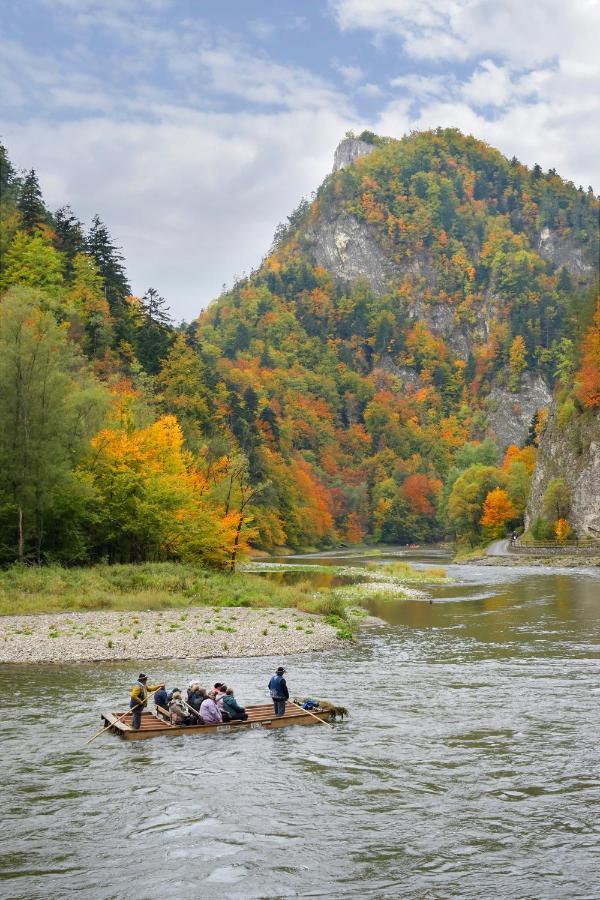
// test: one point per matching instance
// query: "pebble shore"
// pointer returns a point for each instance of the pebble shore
(195, 633)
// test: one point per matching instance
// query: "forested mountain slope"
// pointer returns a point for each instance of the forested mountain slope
(383, 372)
(426, 298)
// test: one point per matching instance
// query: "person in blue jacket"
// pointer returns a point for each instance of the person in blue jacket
(161, 698)
(279, 691)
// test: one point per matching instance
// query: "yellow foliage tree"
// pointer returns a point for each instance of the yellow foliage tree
(562, 530)
(517, 359)
(154, 502)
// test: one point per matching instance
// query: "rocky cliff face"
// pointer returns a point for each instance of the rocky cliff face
(570, 449)
(562, 251)
(349, 249)
(348, 151)
(510, 413)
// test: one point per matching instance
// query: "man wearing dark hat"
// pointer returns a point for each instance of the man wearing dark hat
(279, 691)
(139, 698)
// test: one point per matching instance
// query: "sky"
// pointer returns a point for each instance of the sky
(193, 127)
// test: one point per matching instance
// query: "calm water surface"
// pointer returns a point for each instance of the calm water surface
(469, 768)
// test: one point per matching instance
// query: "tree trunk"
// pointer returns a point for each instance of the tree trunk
(21, 539)
(236, 542)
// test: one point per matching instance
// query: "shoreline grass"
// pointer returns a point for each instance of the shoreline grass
(145, 586)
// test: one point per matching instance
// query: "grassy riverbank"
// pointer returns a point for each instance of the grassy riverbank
(173, 610)
(148, 586)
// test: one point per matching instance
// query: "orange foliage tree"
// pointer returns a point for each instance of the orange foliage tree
(497, 512)
(562, 530)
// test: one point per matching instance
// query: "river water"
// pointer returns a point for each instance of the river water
(469, 768)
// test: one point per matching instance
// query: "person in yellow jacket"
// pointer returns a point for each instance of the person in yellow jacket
(139, 698)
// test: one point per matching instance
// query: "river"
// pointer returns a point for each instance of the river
(469, 767)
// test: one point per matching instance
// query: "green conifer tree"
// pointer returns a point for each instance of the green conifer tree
(30, 203)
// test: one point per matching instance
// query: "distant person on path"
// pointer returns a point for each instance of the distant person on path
(139, 699)
(210, 712)
(279, 691)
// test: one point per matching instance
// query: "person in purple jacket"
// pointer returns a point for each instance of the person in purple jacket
(210, 712)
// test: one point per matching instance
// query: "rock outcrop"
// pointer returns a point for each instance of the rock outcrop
(565, 252)
(510, 413)
(348, 151)
(570, 449)
(349, 249)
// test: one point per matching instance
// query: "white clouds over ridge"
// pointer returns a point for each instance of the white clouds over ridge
(193, 139)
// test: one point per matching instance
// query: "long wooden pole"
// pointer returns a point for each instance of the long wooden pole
(193, 711)
(301, 708)
(110, 724)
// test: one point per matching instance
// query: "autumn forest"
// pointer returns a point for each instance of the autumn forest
(300, 409)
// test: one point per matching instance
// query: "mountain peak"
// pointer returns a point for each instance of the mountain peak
(350, 149)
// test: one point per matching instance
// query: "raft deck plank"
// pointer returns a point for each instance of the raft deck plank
(261, 716)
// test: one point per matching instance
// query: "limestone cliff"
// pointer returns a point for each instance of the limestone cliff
(349, 150)
(351, 248)
(570, 449)
(510, 414)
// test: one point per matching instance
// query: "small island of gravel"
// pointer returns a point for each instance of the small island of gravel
(178, 611)
(192, 633)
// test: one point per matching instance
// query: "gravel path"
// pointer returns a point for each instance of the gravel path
(197, 632)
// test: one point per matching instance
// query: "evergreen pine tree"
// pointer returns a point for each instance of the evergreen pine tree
(30, 202)
(155, 335)
(156, 308)
(109, 260)
(8, 178)
(70, 238)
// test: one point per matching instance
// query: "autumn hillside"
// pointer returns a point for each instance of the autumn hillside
(382, 375)
(409, 323)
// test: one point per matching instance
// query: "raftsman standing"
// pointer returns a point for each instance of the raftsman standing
(139, 699)
(279, 691)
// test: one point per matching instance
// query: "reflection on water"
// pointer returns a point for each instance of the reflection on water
(469, 767)
(318, 580)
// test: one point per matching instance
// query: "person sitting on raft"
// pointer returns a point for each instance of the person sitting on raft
(139, 699)
(180, 715)
(196, 695)
(210, 712)
(232, 707)
(221, 690)
(161, 698)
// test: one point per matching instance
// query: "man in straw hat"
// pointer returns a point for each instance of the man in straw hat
(279, 691)
(139, 698)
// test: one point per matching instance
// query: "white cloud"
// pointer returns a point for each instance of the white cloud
(261, 29)
(523, 33)
(370, 90)
(193, 169)
(424, 87)
(351, 74)
(490, 85)
(193, 199)
(536, 64)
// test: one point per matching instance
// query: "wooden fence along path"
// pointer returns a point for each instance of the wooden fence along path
(583, 547)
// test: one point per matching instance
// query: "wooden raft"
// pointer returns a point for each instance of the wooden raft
(153, 725)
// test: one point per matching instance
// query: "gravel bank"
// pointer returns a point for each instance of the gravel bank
(198, 632)
(546, 562)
